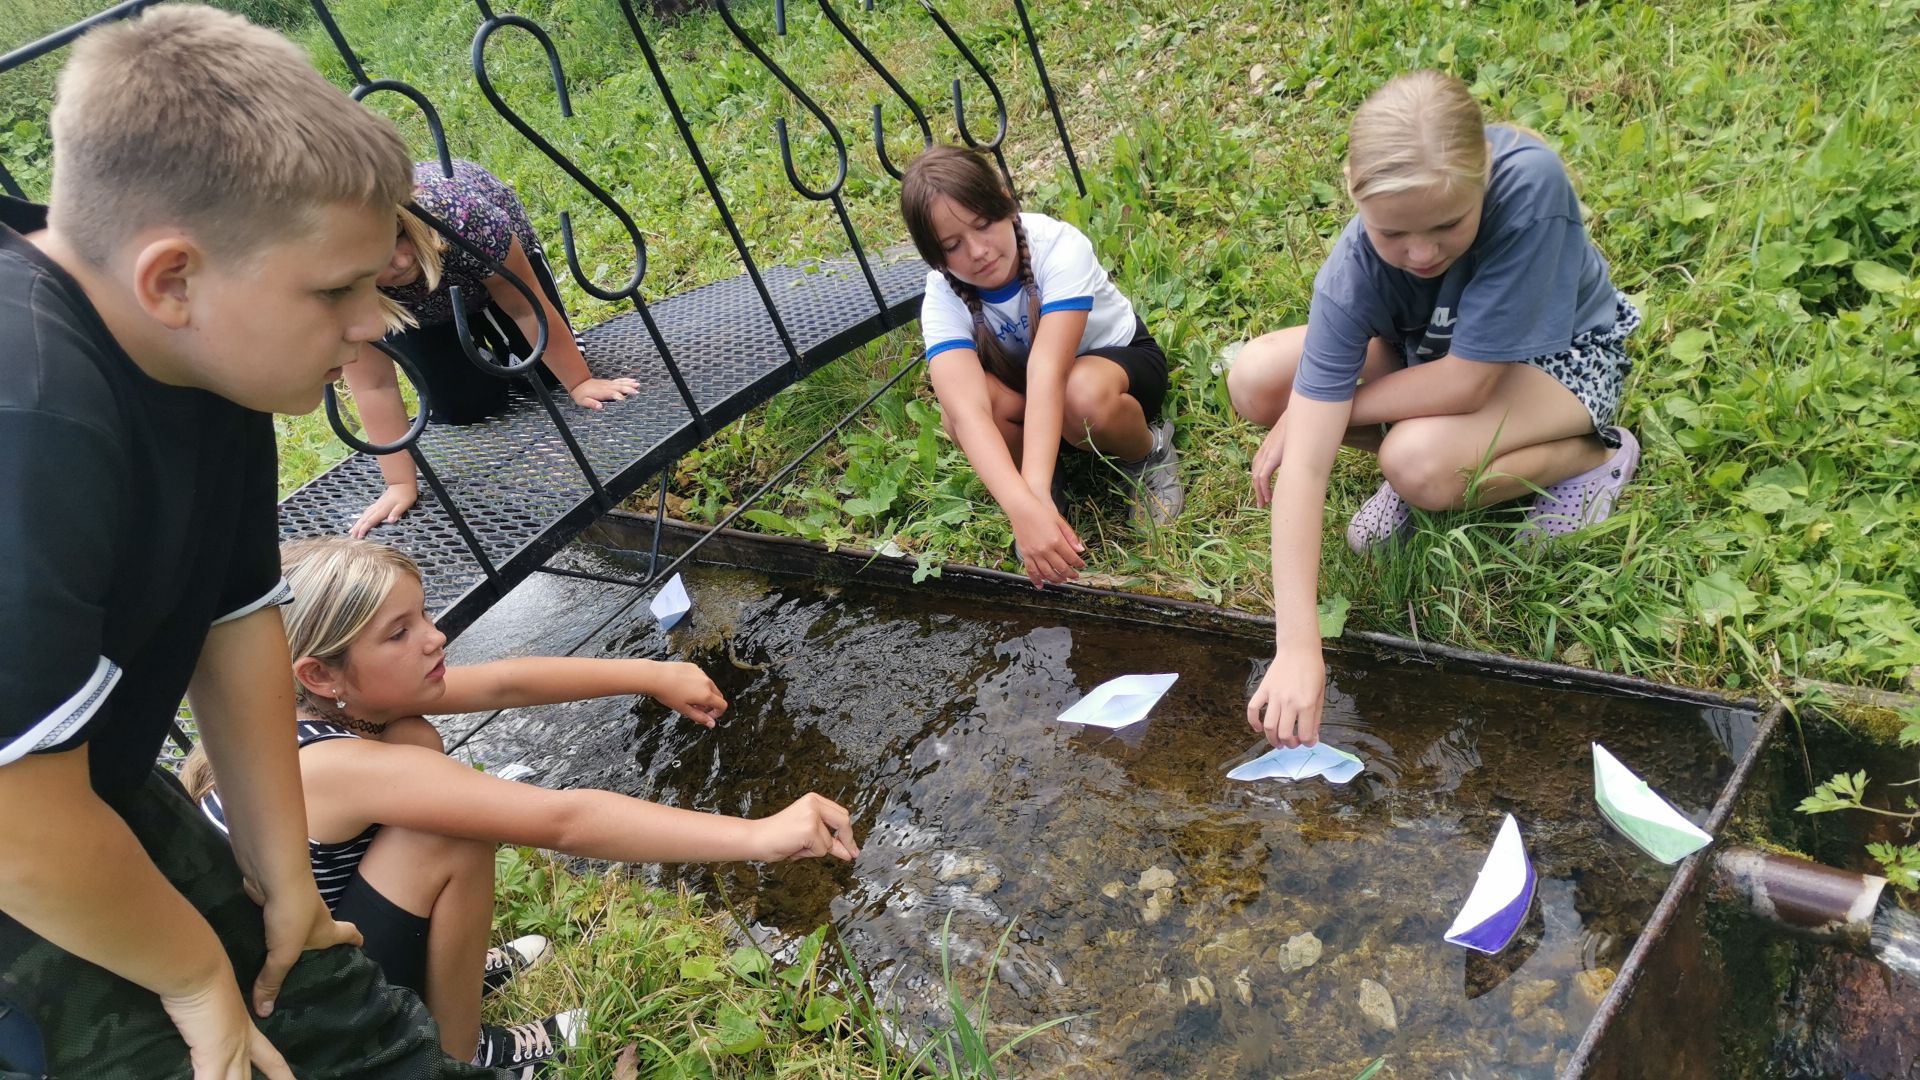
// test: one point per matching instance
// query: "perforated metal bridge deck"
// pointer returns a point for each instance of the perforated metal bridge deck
(512, 476)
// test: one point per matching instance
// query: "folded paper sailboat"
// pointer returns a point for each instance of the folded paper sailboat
(672, 604)
(1501, 897)
(1119, 702)
(1301, 763)
(1648, 820)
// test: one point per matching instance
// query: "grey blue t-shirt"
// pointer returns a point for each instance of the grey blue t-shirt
(1530, 282)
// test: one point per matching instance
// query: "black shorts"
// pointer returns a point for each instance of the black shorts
(457, 391)
(1145, 365)
(396, 938)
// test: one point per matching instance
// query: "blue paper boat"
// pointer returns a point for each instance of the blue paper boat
(1501, 897)
(672, 604)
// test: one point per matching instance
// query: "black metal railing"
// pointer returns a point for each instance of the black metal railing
(604, 490)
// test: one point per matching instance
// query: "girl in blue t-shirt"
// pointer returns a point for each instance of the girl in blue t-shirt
(1463, 310)
(1028, 343)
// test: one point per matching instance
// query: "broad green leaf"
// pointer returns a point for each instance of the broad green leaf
(822, 1012)
(1718, 597)
(1333, 616)
(750, 962)
(1690, 345)
(1633, 138)
(1879, 277)
(1831, 252)
(736, 1032)
(699, 969)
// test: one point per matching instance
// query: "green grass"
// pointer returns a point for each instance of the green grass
(1750, 170)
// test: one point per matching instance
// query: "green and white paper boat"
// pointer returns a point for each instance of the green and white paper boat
(1648, 820)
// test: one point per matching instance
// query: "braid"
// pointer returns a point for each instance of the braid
(993, 355)
(1031, 287)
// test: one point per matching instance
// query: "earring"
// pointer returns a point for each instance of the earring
(340, 703)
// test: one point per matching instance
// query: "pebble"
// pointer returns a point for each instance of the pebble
(986, 883)
(1243, 988)
(1199, 991)
(962, 866)
(1301, 951)
(1155, 879)
(1158, 905)
(1377, 1006)
(1529, 996)
(1112, 889)
(1588, 988)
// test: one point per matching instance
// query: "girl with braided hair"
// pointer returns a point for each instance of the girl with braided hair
(1030, 345)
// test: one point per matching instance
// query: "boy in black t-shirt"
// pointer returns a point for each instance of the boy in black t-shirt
(219, 213)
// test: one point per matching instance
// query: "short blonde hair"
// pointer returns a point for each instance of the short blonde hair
(192, 117)
(1422, 131)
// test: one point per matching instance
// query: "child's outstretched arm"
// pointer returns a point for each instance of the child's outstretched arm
(1048, 542)
(1049, 362)
(549, 680)
(1286, 706)
(417, 788)
(563, 353)
(376, 392)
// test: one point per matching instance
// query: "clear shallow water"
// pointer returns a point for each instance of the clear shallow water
(931, 716)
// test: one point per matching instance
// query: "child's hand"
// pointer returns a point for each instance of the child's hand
(1286, 706)
(814, 825)
(387, 509)
(685, 689)
(1048, 545)
(591, 393)
(1267, 461)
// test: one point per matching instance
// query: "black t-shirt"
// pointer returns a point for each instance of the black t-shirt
(133, 516)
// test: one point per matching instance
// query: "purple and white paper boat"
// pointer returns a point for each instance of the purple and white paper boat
(1501, 897)
(672, 604)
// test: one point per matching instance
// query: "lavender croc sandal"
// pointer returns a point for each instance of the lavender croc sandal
(1382, 519)
(1584, 500)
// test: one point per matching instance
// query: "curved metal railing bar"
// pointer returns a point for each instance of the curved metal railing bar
(706, 177)
(959, 104)
(1053, 103)
(879, 124)
(410, 443)
(831, 193)
(630, 290)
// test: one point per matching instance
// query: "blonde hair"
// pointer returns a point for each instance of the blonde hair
(338, 585)
(191, 117)
(1422, 131)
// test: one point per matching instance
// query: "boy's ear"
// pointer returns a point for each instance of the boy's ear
(163, 273)
(314, 674)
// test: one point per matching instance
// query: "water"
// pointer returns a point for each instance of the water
(931, 717)
(1896, 939)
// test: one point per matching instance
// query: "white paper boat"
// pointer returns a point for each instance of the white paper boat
(1501, 897)
(672, 604)
(1648, 820)
(1119, 702)
(519, 770)
(1301, 763)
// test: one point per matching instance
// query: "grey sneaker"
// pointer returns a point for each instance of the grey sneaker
(1157, 493)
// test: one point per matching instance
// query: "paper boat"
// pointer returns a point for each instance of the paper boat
(1301, 763)
(1501, 897)
(1648, 820)
(1119, 702)
(672, 604)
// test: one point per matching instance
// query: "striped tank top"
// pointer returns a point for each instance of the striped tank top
(333, 864)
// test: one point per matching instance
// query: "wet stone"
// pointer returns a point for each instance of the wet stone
(1589, 988)
(1158, 905)
(1301, 951)
(1155, 879)
(986, 883)
(1529, 996)
(962, 866)
(1377, 1006)
(1199, 991)
(1243, 987)
(1112, 889)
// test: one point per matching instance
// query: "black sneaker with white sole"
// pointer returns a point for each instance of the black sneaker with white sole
(526, 1050)
(506, 961)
